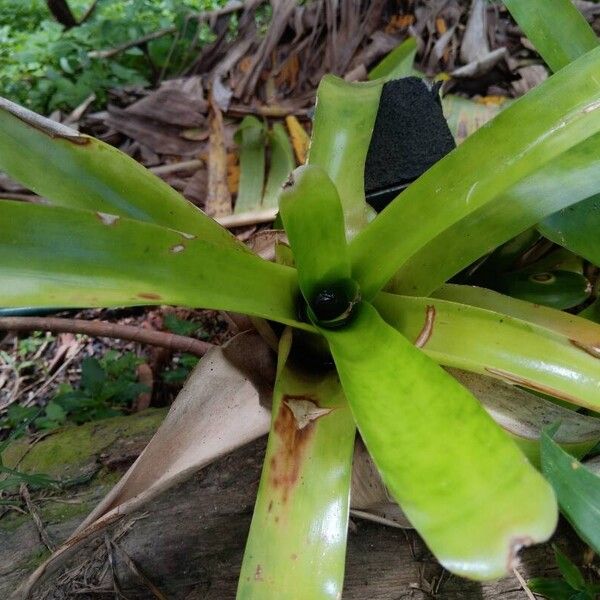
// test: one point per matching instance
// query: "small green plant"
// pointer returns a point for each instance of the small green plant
(108, 387)
(366, 320)
(572, 586)
(44, 67)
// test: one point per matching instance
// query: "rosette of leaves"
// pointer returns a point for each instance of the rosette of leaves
(351, 355)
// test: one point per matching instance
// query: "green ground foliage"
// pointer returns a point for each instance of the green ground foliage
(44, 67)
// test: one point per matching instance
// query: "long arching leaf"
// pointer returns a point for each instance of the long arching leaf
(297, 542)
(553, 118)
(564, 182)
(499, 345)
(461, 481)
(78, 171)
(344, 120)
(51, 256)
(555, 27)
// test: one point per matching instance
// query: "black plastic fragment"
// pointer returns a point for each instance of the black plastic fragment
(410, 135)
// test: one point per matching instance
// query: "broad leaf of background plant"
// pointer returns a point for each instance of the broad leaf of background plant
(52, 256)
(577, 228)
(344, 120)
(577, 490)
(553, 118)
(460, 480)
(555, 27)
(78, 171)
(499, 345)
(297, 541)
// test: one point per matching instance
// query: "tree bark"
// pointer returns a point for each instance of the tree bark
(62, 12)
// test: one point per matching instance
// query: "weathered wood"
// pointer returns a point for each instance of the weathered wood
(189, 542)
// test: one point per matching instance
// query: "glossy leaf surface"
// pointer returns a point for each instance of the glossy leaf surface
(551, 119)
(565, 181)
(469, 491)
(344, 120)
(78, 171)
(576, 228)
(499, 345)
(297, 542)
(314, 222)
(577, 490)
(53, 256)
(577, 329)
(555, 27)
(557, 289)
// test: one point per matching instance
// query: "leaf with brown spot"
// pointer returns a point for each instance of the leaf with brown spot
(302, 506)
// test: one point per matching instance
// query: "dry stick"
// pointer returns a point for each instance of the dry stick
(523, 584)
(37, 519)
(132, 566)
(186, 165)
(177, 343)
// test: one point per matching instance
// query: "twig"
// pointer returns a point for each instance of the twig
(110, 52)
(524, 585)
(185, 165)
(248, 218)
(177, 343)
(138, 573)
(48, 381)
(37, 519)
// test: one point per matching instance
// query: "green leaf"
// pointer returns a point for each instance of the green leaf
(577, 490)
(555, 27)
(461, 481)
(282, 164)
(551, 119)
(314, 222)
(343, 124)
(574, 327)
(398, 63)
(250, 137)
(77, 171)
(553, 589)
(561, 34)
(564, 181)
(576, 228)
(569, 570)
(297, 540)
(51, 256)
(557, 289)
(560, 363)
(524, 416)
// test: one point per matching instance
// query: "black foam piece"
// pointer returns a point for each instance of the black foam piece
(410, 135)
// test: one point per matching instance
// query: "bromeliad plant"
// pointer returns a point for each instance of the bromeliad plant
(352, 355)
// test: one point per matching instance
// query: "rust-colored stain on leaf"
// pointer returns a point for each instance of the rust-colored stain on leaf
(287, 461)
(591, 349)
(427, 330)
(149, 296)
